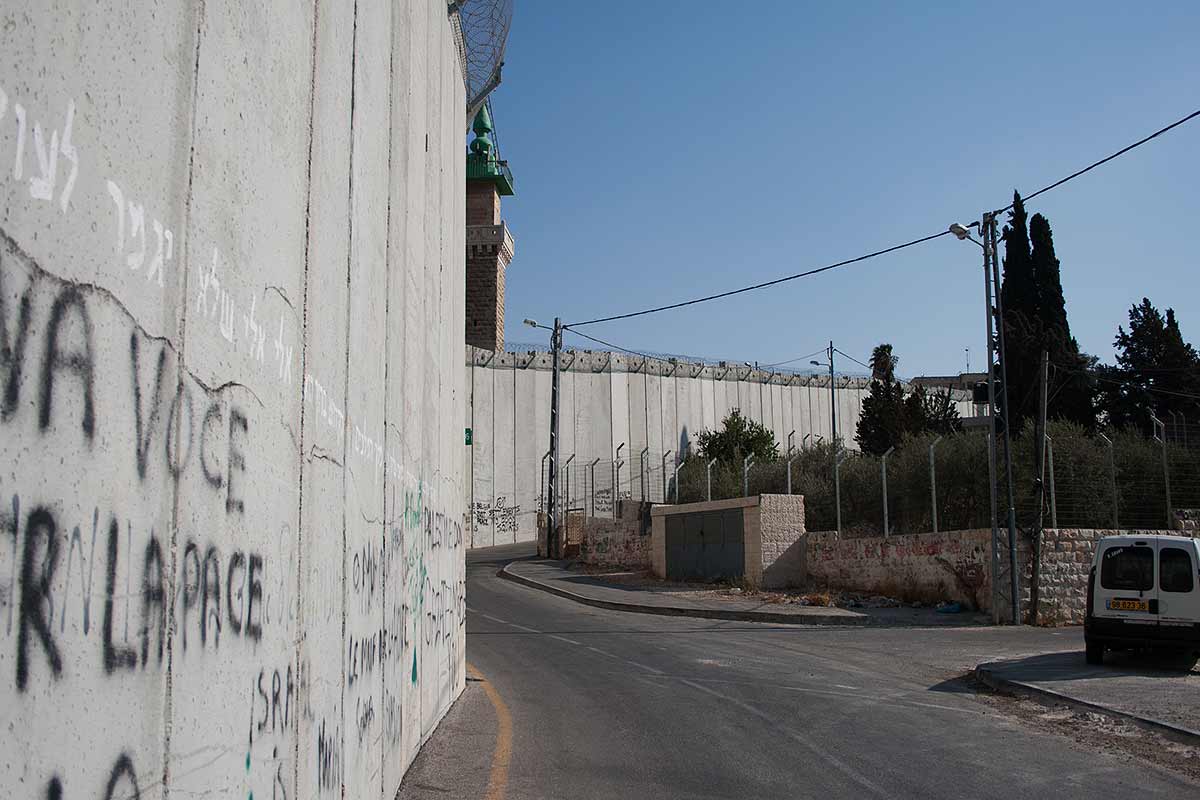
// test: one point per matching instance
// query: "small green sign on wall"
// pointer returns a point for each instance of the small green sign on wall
(468, 436)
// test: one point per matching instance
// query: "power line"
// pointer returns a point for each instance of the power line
(1150, 389)
(884, 251)
(1106, 159)
(607, 344)
(855, 360)
(775, 282)
(797, 358)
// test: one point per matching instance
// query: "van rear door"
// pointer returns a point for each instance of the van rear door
(1178, 583)
(1127, 583)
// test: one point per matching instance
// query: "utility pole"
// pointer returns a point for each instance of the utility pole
(837, 481)
(552, 480)
(1040, 493)
(989, 222)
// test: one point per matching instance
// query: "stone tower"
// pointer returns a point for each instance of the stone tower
(489, 244)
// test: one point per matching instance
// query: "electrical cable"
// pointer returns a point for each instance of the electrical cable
(1105, 160)
(852, 358)
(797, 358)
(764, 285)
(1152, 390)
(607, 344)
(884, 251)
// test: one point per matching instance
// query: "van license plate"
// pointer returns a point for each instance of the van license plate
(1128, 605)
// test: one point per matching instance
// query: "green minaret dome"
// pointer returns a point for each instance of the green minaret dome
(482, 163)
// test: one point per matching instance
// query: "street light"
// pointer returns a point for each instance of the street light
(995, 342)
(837, 487)
(552, 479)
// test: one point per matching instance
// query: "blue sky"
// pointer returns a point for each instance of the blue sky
(663, 151)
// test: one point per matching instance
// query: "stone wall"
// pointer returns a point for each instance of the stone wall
(623, 541)
(231, 395)
(1066, 561)
(783, 555)
(956, 566)
(929, 567)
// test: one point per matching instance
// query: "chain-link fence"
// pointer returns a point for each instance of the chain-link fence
(1117, 480)
(594, 486)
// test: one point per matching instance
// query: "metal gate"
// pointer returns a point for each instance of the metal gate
(705, 545)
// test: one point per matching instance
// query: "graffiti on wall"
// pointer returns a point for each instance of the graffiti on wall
(145, 553)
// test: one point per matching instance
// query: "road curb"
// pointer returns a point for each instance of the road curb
(984, 674)
(681, 611)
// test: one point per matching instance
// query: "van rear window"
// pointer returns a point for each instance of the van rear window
(1174, 570)
(1127, 569)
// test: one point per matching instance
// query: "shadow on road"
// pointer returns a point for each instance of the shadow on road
(1071, 665)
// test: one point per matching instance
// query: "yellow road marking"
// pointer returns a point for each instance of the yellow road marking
(502, 756)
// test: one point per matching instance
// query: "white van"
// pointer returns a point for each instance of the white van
(1143, 591)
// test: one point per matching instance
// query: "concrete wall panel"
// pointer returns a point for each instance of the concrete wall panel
(483, 455)
(637, 433)
(240, 241)
(504, 454)
(522, 510)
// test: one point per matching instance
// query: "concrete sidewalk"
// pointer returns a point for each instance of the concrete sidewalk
(1156, 691)
(666, 600)
(647, 596)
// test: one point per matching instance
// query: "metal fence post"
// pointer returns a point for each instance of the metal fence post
(643, 484)
(566, 483)
(1166, 470)
(542, 482)
(838, 455)
(708, 470)
(746, 475)
(1050, 467)
(616, 487)
(933, 483)
(666, 455)
(678, 464)
(1112, 475)
(883, 476)
(593, 468)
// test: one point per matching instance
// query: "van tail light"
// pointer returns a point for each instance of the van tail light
(1091, 593)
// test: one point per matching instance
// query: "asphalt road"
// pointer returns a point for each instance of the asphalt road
(606, 704)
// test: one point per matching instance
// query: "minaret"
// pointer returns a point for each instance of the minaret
(489, 245)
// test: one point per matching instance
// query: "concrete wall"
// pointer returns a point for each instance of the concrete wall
(610, 399)
(231, 395)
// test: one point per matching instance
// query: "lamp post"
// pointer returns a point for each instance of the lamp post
(746, 462)
(708, 477)
(837, 447)
(552, 481)
(994, 315)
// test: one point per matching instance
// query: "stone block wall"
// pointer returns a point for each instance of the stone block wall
(783, 553)
(1066, 561)
(616, 542)
(930, 567)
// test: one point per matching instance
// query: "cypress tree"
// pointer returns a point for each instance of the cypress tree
(1022, 306)
(1071, 392)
